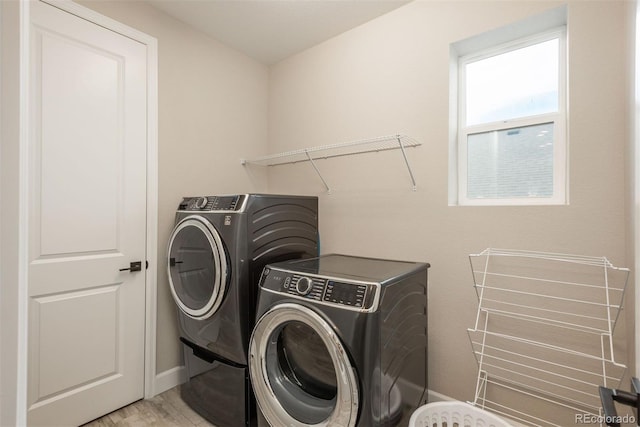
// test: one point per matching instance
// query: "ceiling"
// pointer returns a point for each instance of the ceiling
(272, 30)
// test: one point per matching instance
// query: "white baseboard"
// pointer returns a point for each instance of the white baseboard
(170, 378)
(434, 396)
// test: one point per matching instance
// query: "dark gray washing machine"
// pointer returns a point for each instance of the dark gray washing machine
(216, 254)
(340, 341)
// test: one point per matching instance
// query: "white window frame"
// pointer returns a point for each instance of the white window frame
(559, 118)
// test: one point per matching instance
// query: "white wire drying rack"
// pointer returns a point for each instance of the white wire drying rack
(382, 143)
(544, 333)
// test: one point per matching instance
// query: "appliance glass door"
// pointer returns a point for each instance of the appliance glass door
(197, 267)
(300, 370)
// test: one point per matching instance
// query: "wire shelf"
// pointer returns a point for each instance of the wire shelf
(544, 329)
(371, 145)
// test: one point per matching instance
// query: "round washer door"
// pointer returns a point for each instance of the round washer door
(300, 370)
(197, 267)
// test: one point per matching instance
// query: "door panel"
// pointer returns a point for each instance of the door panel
(83, 154)
(61, 362)
(87, 219)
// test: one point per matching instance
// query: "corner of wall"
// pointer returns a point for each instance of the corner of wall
(169, 379)
(14, 31)
(634, 179)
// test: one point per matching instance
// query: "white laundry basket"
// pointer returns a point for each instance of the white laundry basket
(439, 414)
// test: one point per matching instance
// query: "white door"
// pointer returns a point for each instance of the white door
(87, 219)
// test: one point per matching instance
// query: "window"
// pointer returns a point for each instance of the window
(511, 144)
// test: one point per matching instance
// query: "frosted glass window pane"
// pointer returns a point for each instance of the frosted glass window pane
(511, 163)
(519, 83)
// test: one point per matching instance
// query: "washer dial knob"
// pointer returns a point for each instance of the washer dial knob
(304, 285)
(201, 202)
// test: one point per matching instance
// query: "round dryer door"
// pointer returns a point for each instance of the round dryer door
(300, 370)
(197, 267)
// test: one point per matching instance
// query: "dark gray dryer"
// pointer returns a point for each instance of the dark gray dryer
(216, 253)
(340, 341)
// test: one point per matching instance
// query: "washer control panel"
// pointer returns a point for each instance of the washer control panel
(339, 292)
(212, 203)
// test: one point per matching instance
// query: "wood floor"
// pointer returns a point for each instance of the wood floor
(164, 410)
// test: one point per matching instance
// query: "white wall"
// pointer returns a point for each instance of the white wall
(12, 290)
(212, 112)
(392, 75)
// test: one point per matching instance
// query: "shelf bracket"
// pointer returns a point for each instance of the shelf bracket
(313, 163)
(414, 187)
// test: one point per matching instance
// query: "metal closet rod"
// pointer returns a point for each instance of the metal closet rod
(516, 310)
(551, 256)
(539, 279)
(515, 290)
(542, 362)
(556, 318)
(539, 345)
(528, 418)
(556, 399)
(371, 145)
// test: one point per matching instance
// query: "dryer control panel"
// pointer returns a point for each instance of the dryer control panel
(212, 203)
(327, 290)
